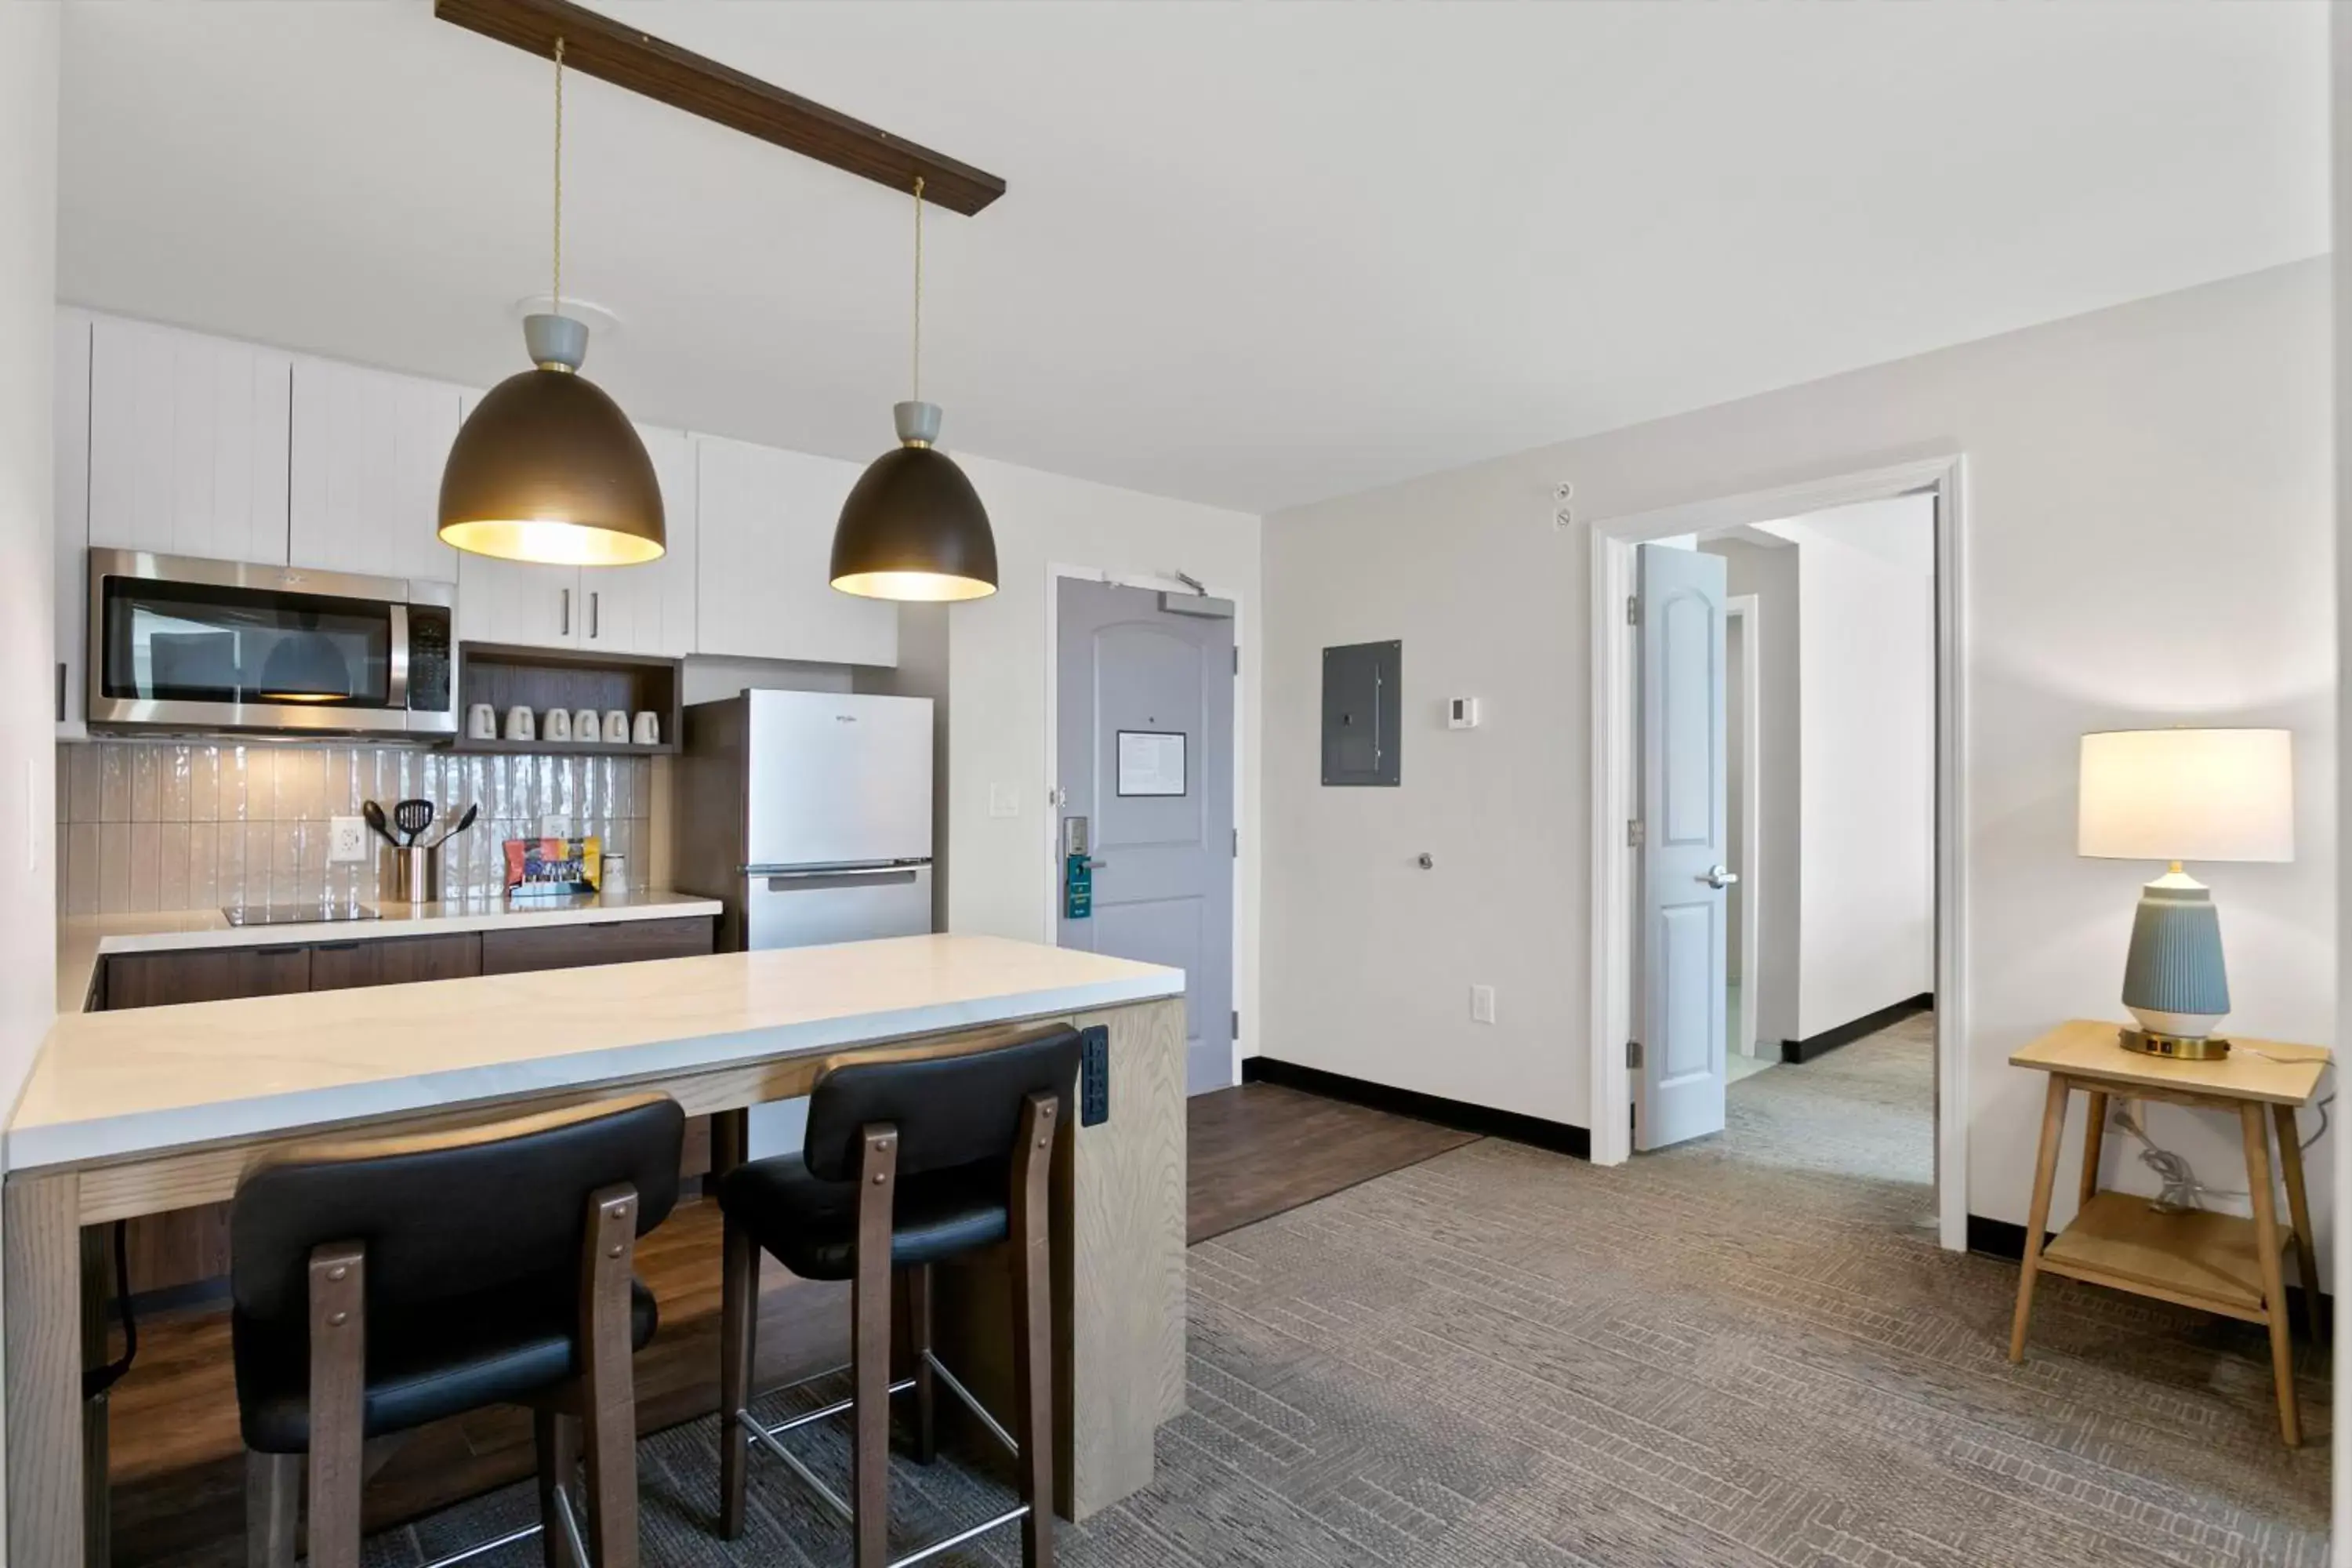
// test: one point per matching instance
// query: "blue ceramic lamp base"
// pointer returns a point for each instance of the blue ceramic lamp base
(2174, 981)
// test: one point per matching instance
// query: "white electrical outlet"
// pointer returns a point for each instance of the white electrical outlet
(346, 839)
(555, 824)
(1004, 800)
(1482, 1003)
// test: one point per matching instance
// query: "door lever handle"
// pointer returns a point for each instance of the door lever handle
(1717, 877)
(1096, 864)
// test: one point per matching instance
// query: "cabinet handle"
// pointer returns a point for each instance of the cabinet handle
(332, 947)
(594, 619)
(565, 629)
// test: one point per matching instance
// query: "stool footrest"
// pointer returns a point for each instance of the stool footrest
(767, 1437)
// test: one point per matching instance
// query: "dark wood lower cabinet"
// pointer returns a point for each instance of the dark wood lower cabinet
(579, 946)
(397, 961)
(190, 1246)
(205, 974)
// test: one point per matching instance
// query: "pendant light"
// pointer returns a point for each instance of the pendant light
(548, 469)
(913, 528)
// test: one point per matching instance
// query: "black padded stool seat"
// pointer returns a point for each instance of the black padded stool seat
(811, 1225)
(470, 1352)
(379, 1284)
(909, 1162)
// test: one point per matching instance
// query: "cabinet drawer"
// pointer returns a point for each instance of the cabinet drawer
(206, 974)
(581, 946)
(397, 961)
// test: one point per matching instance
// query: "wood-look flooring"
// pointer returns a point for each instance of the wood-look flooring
(178, 1464)
(1261, 1149)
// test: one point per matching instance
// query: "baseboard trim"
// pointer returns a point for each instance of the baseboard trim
(2001, 1238)
(1812, 1046)
(1559, 1137)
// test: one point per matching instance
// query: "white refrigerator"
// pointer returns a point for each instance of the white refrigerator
(808, 813)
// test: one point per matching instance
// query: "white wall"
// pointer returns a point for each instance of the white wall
(28, 209)
(2147, 539)
(999, 665)
(2340, 39)
(1865, 656)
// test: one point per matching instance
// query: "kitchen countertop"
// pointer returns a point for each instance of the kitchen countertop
(110, 1084)
(83, 939)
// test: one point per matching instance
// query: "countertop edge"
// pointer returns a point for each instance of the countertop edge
(188, 1128)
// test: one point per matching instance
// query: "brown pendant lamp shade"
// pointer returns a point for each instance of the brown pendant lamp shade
(548, 467)
(913, 528)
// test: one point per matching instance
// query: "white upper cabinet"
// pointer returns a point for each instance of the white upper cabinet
(71, 429)
(609, 609)
(766, 549)
(187, 442)
(368, 451)
(650, 608)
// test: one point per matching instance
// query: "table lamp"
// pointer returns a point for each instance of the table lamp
(2175, 795)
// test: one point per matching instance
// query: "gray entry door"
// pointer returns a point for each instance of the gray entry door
(1686, 846)
(1144, 703)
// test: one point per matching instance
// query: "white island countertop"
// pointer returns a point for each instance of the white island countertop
(83, 939)
(110, 1084)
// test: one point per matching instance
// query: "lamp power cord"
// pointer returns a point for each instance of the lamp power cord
(2181, 1188)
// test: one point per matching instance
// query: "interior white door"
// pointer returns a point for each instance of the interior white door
(1685, 850)
(1144, 706)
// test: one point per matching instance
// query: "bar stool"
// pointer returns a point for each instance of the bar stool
(908, 1163)
(378, 1285)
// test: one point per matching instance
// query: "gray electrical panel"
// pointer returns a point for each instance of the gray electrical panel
(1364, 708)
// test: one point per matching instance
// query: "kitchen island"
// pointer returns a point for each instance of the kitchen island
(143, 1111)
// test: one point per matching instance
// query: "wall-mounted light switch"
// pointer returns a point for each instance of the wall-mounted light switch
(1482, 1003)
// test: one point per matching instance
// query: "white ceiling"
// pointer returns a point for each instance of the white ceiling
(1252, 254)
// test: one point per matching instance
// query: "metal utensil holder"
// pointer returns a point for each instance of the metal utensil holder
(415, 876)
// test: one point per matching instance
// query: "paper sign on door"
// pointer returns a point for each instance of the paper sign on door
(1150, 762)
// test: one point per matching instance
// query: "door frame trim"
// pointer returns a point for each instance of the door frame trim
(1049, 846)
(1610, 946)
(1748, 610)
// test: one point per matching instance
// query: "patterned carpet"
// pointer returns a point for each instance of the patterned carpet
(1740, 1352)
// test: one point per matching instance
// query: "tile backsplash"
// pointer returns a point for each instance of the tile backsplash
(147, 825)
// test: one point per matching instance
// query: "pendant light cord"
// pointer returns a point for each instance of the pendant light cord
(555, 288)
(918, 290)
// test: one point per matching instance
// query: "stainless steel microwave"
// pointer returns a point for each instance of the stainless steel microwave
(177, 644)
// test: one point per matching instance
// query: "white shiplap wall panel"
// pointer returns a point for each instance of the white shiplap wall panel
(369, 446)
(651, 608)
(766, 552)
(187, 442)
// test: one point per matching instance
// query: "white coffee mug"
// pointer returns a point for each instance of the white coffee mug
(617, 727)
(583, 726)
(559, 724)
(649, 729)
(519, 725)
(482, 722)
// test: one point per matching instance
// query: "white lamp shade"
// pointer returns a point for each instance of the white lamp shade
(2187, 794)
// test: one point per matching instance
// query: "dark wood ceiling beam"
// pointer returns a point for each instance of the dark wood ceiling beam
(603, 47)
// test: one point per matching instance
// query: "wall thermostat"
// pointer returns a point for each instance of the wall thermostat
(1461, 712)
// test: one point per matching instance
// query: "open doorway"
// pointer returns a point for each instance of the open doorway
(1828, 941)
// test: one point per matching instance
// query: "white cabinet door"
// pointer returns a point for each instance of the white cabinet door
(515, 601)
(72, 502)
(650, 608)
(765, 548)
(367, 455)
(187, 442)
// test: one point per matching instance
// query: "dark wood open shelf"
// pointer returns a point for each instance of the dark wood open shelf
(543, 678)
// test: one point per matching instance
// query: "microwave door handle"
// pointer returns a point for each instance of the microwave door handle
(396, 693)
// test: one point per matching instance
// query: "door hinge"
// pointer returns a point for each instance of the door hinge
(1634, 1053)
(1237, 1023)
(1237, 843)
(1635, 832)
(1633, 609)
(1237, 658)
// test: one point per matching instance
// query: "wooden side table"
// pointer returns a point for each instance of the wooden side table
(2217, 1262)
